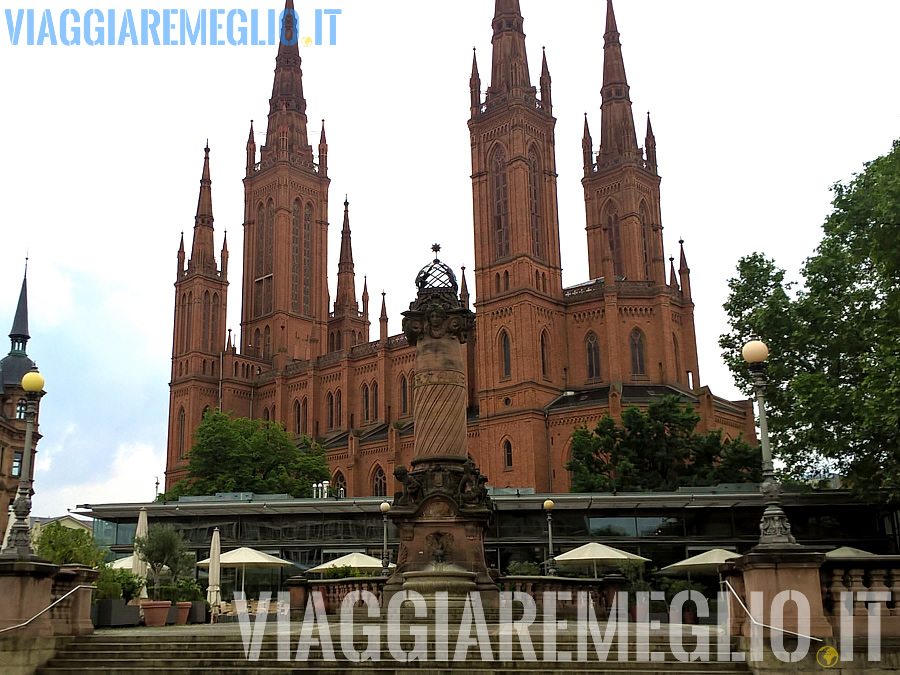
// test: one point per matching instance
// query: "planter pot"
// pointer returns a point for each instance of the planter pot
(184, 608)
(155, 612)
(172, 616)
(113, 613)
(198, 612)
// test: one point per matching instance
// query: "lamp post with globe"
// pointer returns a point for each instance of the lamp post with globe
(385, 556)
(774, 528)
(551, 561)
(18, 547)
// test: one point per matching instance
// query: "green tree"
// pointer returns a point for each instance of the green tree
(833, 374)
(163, 547)
(63, 545)
(243, 455)
(657, 449)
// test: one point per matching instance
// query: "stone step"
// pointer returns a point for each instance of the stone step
(337, 669)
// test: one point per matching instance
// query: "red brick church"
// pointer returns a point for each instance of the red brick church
(544, 358)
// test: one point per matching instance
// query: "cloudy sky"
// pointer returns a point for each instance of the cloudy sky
(757, 108)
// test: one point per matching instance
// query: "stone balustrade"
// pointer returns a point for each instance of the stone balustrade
(860, 575)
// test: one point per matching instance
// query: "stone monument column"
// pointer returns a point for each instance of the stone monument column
(443, 509)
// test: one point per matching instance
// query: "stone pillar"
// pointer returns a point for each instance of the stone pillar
(26, 589)
(73, 615)
(772, 571)
(443, 509)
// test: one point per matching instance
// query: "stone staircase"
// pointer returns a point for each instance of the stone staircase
(189, 650)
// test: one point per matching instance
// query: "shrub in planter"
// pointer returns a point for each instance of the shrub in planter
(524, 568)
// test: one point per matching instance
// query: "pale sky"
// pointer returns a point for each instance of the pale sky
(758, 107)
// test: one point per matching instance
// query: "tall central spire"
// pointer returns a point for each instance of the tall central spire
(346, 286)
(202, 255)
(509, 72)
(286, 133)
(617, 136)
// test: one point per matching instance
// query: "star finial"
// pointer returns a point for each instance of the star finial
(436, 248)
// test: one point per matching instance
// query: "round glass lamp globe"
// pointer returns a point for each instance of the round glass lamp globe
(755, 351)
(385, 507)
(33, 381)
(548, 505)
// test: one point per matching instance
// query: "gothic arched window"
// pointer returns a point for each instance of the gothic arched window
(265, 414)
(339, 483)
(404, 396)
(645, 237)
(303, 424)
(181, 430)
(592, 347)
(204, 325)
(677, 358)
(545, 355)
(267, 343)
(615, 238)
(338, 418)
(21, 407)
(507, 454)
(183, 328)
(500, 198)
(329, 402)
(307, 256)
(296, 411)
(260, 271)
(534, 190)
(506, 280)
(365, 402)
(374, 400)
(214, 345)
(257, 343)
(506, 355)
(379, 483)
(190, 318)
(637, 352)
(295, 258)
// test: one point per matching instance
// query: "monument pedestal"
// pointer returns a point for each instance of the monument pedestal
(772, 570)
(26, 588)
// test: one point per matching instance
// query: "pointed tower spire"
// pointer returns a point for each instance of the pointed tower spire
(475, 86)
(463, 289)
(546, 97)
(17, 363)
(251, 151)
(365, 299)
(286, 134)
(346, 286)
(202, 256)
(617, 136)
(228, 346)
(181, 257)
(224, 256)
(509, 71)
(673, 280)
(587, 148)
(383, 320)
(684, 273)
(20, 322)
(650, 146)
(323, 152)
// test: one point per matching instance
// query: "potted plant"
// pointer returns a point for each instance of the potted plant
(673, 587)
(190, 596)
(111, 605)
(633, 571)
(163, 547)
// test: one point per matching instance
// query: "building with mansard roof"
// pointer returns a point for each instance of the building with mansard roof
(543, 359)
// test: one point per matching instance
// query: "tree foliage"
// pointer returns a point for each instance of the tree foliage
(63, 545)
(243, 455)
(657, 450)
(163, 547)
(833, 374)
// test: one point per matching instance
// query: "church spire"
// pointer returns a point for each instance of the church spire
(684, 273)
(286, 134)
(463, 289)
(383, 321)
(202, 256)
(19, 331)
(475, 86)
(509, 71)
(346, 286)
(181, 257)
(673, 280)
(587, 148)
(251, 151)
(323, 152)
(546, 98)
(650, 146)
(617, 135)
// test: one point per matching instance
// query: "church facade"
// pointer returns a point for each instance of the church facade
(543, 358)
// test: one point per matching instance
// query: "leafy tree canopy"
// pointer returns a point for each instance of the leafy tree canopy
(63, 545)
(657, 450)
(833, 373)
(163, 547)
(243, 455)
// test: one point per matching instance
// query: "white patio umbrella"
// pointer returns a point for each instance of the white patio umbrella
(597, 554)
(709, 562)
(138, 566)
(848, 552)
(213, 592)
(246, 557)
(359, 561)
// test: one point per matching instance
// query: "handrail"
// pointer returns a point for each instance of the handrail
(50, 606)
(764, 625)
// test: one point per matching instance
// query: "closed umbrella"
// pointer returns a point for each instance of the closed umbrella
(358, 561)
(596, 554)
(213, 592)
(138, 566)
(246, 557)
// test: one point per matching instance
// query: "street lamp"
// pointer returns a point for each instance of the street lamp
(551, 561)
(18, 547)
(385, 557)
(774, 528)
